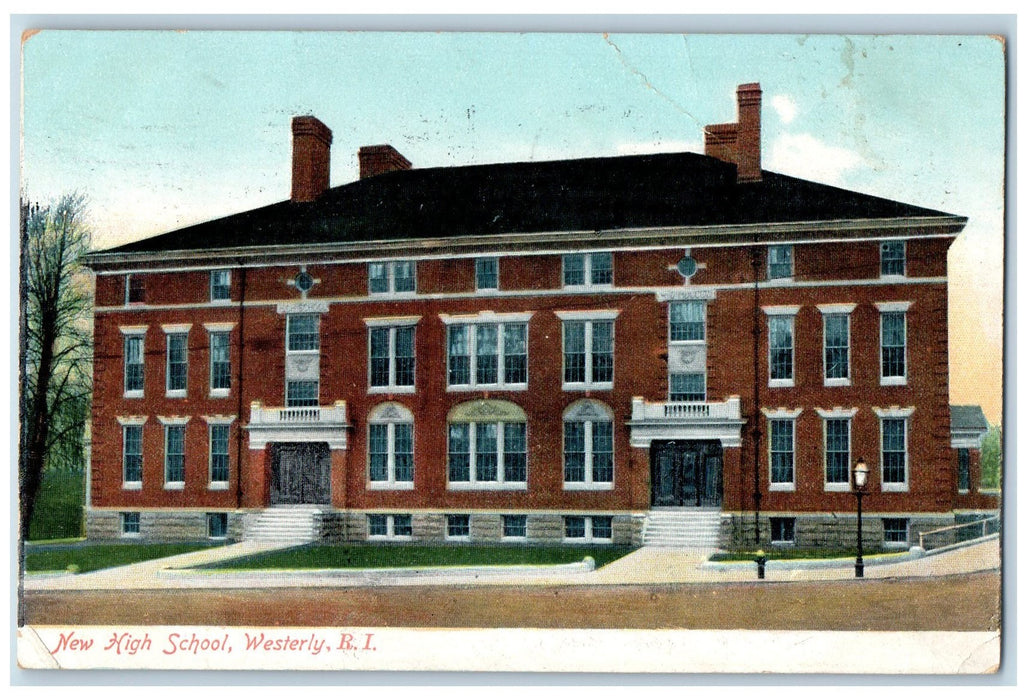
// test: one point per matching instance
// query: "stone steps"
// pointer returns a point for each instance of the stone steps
(684, 527)
(285, 524)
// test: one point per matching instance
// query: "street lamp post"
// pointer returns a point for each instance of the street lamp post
(860, 482)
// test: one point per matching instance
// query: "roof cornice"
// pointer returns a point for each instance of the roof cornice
(543, 241)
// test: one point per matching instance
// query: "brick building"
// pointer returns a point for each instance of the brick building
(672, 346)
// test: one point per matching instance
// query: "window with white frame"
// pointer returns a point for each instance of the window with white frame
(302, 392)
(130, 524)
(381, 526)
(963, 461)
(219, 455)
(587, 446)
(894, 454)
(217, 526)
(135, 289)
(488, 354)
(837, 432)
(174, 456)
(588, 528)
(781, 332)
(893, 259)
(392, 357)
(588, 270)
(688, 386)
(458, 527)
(782, 530)
(488, 454)
(782, 453)
(836, 349)
(177, 363)
(132, 451)
(779, 262)
(220, 285)
(688, 320)
(896, 530)
(587, 349)
(486, 274)
(303, 332)
(893, 346)
(134, 367)
(396, 277)
(515, 527)
(303, 359)
(220, 363)
(390, 447)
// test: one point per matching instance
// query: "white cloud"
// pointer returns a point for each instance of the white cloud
(805, 156)
(785, 107)
(635, 149)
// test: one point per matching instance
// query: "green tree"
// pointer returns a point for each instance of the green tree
(56, 345)
(991, 458)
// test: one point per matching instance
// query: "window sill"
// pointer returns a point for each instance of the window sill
(585, 386)
(780, 280)
(391, 390)
(585, 486)
(217, 538)
(781, 487)
(587, 287)
(964, 492)
(894, 278)
(781, 383)
(220, 302)
(455, 388)
(390, 538)
(219, 393)
(391, 295)
(487, 291)
(458, 538)
(893, 381)
(175, 394)
(783, 543)
(133, 394)
(487, 486)
(588, 540)
(838, 382)
(894, 488)
(390, 486)
(514, 538)
(174, 486)
(131, 535)
(132, 486)
(838, 488)
(218, 486)
(896, 545)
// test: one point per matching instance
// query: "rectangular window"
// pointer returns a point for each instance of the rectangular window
(303, 332)
(963, 457)
(602, 527)
(220, 285)
(588, 270)
(893, 259)
(782, 329)
(132, 469)
(135, 289)
(488, 454)
(302, 393)
(178, 363)
(219, 454)
(397, 277)
(893, 347)
(588, 454)
(588, 353)
(688, 320)
(486, 274)
(688, 387)
(391, 453)
(836, 452)
(130, 524)
(574, 527)
(392, 357)
(134, 365)
(217, 526)
(401, 526)
(779, 262)
(494, 354)
(458, 526)
(893, 452)
(595, 528)
(389, 527)
(896, 530)
(782, 530)
(515, 527)
(782, 452)
(220, 362)
(836, 349)
(174, 454)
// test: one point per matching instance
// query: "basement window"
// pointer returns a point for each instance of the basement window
(896, 531)
(217, 526)
(130, 524)
(782, 530)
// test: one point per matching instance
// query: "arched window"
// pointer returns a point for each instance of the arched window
(588, 446)
(488, 443)
(390, 446)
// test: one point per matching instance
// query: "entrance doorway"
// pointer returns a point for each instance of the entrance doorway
(300, 473)
(687, 472)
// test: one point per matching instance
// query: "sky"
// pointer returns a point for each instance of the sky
(165, 129)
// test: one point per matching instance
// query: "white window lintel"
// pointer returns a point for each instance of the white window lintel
(781, 413)
(133, 330)
(836, 412)
(588, 315)
(219, 327)
(173, 420)
(132, 420)
(486, 317)
(391, 321)
(781, 310)
(886, 306)
(171, 328)
(894, 411)
(836, 308)
(219, 420)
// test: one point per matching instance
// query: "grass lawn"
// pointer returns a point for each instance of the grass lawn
(58, 511)
(794, 553)
(367, 556)
(91, 557)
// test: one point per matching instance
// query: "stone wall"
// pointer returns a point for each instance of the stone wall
(160, 526)
(826, 530)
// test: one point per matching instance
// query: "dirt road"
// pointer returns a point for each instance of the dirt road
(968, 602)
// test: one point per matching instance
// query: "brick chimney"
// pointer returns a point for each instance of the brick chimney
(378, 160)
(311, 155)
(740, 142)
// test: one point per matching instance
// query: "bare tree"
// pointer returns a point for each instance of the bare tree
(56, 343)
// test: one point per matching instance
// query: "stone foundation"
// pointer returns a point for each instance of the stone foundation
(159, 526)
(827, 530)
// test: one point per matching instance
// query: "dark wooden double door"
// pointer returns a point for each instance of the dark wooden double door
(301, 473)
(687, 472)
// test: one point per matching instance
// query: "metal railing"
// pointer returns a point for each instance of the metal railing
(963, 532)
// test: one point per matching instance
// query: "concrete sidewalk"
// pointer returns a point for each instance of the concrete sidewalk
(648, 565)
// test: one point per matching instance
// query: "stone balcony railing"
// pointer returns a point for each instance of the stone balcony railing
(270, 424)
(642, 410)
(686, 420)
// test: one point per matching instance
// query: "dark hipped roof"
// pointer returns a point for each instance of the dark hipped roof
(673, 189)
(968, 418)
